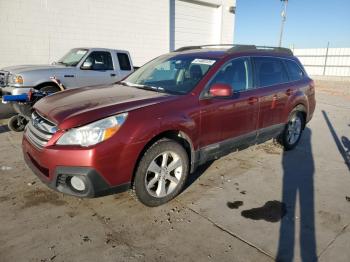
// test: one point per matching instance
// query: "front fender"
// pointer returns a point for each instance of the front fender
(37, 77)
(180, 122)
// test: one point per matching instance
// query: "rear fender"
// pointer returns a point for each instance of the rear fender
(297, 101)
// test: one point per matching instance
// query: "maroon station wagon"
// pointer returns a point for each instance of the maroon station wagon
(150, 131)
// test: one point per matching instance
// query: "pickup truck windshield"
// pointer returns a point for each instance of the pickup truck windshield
(171, 74)
(73, 57)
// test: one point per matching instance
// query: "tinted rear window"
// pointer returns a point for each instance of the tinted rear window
(124, 61)
(295, 72)
(270, 71)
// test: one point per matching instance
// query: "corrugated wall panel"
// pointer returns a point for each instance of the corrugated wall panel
(313, 59)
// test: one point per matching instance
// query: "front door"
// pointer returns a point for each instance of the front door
(102, 70)
(229, 123)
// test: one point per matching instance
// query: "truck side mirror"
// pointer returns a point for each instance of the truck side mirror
(87, 65)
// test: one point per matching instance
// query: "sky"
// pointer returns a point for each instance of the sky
(309, 24)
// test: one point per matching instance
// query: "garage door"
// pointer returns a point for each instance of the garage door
(196, 23)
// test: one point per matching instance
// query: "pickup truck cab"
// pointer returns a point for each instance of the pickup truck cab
(151, 130)
(80, 67)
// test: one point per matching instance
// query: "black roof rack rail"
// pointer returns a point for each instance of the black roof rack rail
(185, 48)
(241, 48)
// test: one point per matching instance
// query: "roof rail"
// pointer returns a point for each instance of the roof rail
(240, 48)
(185, 48)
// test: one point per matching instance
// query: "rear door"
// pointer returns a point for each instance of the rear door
(123, 63)
(272, 82)
(230, 122)
(102, 71)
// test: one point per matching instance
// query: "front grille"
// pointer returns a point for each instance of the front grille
(39, 130)
(3, 78)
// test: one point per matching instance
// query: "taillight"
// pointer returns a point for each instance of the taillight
(30, 94)
(312, 86)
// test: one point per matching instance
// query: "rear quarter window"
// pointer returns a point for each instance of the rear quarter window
(294, 70)
(124, 61)
(270, 71)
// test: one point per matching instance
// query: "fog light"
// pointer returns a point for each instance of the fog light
(77, 183)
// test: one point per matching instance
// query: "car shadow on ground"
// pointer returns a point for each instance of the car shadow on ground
(197, 174)
(6, 111)
(343, 145)
(298, 184)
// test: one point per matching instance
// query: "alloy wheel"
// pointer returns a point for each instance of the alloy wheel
(294, 129)
(164, 174)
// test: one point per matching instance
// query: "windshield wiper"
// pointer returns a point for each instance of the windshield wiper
(60, 62)
(146, 87)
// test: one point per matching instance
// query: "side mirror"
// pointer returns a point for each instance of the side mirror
(87, 65)
(220, 90)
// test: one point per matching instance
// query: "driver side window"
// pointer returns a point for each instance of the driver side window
(101, 61)
(236, 73)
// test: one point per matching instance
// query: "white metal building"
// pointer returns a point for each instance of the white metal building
(41, 31)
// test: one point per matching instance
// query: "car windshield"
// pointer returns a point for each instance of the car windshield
(171, 74)
(73, 57)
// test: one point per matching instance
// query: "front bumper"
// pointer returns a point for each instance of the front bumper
(11, 90)
(56, 167)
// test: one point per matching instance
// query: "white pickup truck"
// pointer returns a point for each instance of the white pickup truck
(78, 68)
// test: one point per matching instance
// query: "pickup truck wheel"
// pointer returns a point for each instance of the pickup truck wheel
(17, 123)
(293, 130)
(161, 173)
(51, 89)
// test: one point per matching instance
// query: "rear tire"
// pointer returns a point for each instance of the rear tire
(161, 173)
(293, 130)
(17, 123)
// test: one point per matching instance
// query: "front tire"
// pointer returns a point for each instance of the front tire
(161, 173)
(293, 130)
(49, 89)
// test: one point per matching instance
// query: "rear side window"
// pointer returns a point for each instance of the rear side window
(270, 71)
(235, 73)
(124, 61)
(295, 72)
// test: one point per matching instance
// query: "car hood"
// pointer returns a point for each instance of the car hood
(77, 107)
(25, 68)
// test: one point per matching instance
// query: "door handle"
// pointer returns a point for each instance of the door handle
(112, 75)
(274, 101)
(289, 92)
(253, 100)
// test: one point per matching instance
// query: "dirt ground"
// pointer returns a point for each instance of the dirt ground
(259, 204)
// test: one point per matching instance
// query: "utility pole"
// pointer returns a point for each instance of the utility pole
(284, 17)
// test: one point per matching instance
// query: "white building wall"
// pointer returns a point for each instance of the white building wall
(41, 31)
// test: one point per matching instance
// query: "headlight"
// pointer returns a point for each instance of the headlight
(15, 79)
(93, 133)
